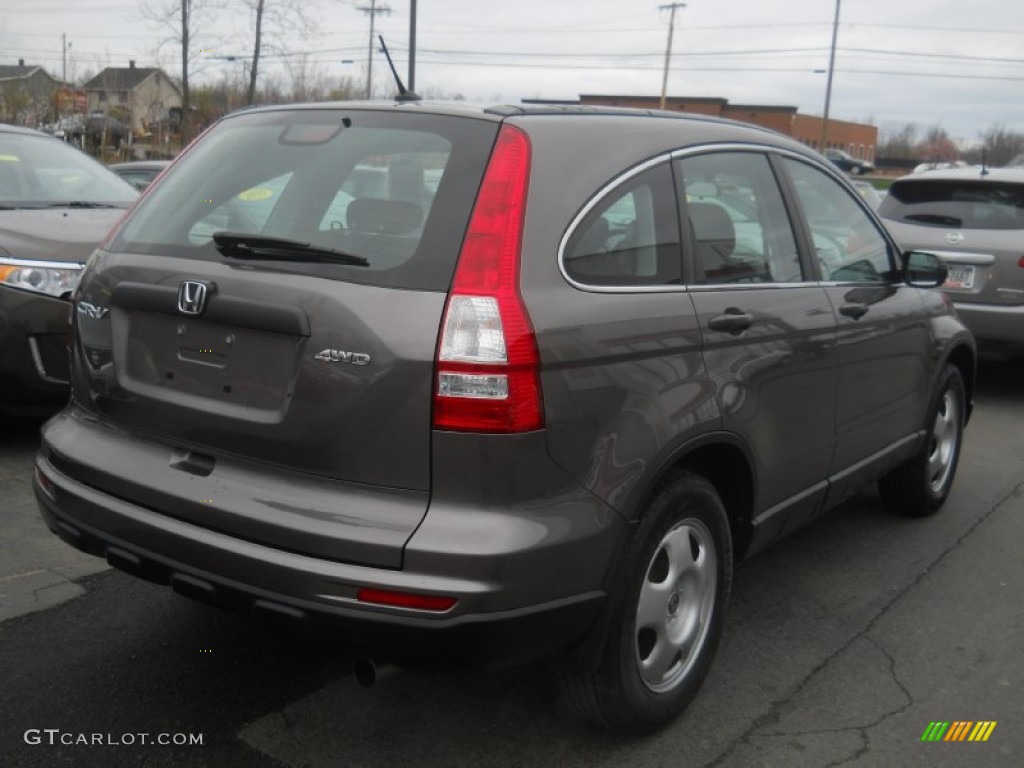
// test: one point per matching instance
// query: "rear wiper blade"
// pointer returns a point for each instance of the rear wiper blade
(241, 245)
(934, 218)
(82, 204)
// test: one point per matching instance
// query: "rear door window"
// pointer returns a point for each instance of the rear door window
(740, 230)
(393, 189)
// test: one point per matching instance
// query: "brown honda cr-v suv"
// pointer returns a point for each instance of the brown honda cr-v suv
(497, 383)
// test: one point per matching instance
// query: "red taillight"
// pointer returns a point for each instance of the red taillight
(488, 366)
(45, 483)
(406, 600)
(1020, 262)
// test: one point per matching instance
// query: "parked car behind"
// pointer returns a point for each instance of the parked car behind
(139, 173)
(868, 192)
(974, 220)
(529, 394)
(56, 204)
(848, 163)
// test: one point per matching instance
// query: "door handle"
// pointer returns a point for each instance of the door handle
(733, 321)
(854, 309)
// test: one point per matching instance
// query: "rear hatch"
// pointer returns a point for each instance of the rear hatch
(975, 225)
(273, 306)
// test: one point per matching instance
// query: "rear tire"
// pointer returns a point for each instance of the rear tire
(919, 487)
(664, 618)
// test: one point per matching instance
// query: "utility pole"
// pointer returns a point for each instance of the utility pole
(64, 58)
(828, 83)
(671, 8)
(412, 46)
(372, 10)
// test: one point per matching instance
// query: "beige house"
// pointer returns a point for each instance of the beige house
(138, 96)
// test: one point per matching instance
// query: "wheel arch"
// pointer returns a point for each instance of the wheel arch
(725, 461)
(963, 358)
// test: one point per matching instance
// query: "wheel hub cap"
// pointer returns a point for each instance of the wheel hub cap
(675, 605)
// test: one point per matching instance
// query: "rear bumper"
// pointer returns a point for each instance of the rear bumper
(493, 639)
(993, 323)
(525, 592)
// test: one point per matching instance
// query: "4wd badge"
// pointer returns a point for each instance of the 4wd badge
(341, 356)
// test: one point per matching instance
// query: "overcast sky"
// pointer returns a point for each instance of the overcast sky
(956, 64)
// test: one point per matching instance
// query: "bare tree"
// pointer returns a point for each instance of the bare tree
(937, 146)
(1001, 145)
(301, 76)
(899, 142)
(254, 65)
(183, 21)
(275, 19)
(15, 101)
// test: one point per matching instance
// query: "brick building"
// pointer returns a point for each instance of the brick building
(857, 139)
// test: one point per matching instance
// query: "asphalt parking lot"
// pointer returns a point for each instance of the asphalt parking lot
(844, 642)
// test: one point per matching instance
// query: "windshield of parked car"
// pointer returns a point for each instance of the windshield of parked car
(391, 190)
(43, 172)
(956, 203)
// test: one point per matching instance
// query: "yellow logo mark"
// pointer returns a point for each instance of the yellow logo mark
(256, 193)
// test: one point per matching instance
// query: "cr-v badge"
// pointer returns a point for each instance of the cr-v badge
(341, 356)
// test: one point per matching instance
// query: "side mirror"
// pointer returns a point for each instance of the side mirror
(924, 270)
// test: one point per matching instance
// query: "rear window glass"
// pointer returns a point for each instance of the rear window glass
(394, 189)
(956, 204)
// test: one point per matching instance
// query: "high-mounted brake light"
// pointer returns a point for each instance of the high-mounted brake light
(488, 366)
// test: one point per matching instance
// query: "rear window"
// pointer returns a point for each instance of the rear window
(956, 204)
(394, 188)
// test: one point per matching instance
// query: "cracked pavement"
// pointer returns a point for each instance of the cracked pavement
(926, 656)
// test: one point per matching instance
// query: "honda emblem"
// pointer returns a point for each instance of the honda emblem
(191, 297)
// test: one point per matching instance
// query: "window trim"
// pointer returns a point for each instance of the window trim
(785, 188)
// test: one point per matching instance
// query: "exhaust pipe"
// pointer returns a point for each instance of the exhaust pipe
(365, 671)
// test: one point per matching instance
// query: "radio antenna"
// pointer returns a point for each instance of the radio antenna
(404, 94)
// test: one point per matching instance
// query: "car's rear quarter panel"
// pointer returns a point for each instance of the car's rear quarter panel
(623, 375)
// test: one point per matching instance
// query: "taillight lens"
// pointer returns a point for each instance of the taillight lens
(439, 603)
(488, 366)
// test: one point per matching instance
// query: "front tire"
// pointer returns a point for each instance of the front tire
(920, 487)
(665, 615)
